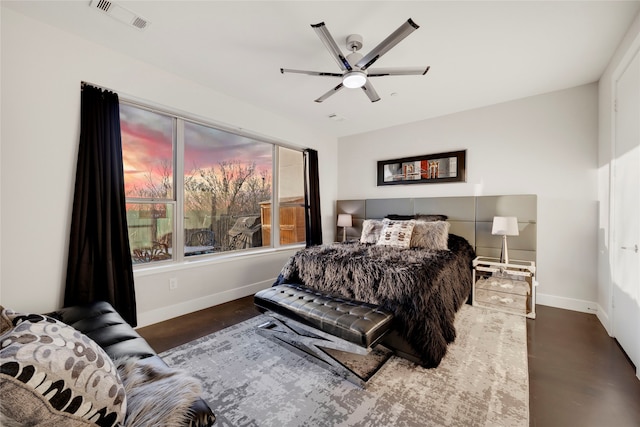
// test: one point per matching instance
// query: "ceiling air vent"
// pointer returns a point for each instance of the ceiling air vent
(120, 13)
(139, 23)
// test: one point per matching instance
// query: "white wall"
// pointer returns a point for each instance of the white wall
(629, 45)
(544, 145)
(42, 68)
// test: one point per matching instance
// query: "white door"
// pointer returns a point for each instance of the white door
(625, 255)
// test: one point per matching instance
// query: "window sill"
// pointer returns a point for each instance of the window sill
(204, 260)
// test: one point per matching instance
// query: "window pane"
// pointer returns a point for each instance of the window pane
(147, 153)
(227, 178)
(150, 231)
(291, 194)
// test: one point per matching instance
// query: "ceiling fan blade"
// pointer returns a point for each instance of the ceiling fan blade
(311, 73)
(331, 92)
(394, 38)
(371, 92)
(405, 71)
(330, 43)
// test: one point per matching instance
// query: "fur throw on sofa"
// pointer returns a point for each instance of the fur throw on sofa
(423, 288)
(157, 395)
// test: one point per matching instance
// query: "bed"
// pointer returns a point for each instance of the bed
(423, 279)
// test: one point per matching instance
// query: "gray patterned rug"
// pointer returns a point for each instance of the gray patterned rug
(249, 380)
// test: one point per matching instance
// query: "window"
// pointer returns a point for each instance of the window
(226, 177)
(291, 196)
(193, 189)
(148, 157)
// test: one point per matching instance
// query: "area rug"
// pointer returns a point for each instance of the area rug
(249, 380)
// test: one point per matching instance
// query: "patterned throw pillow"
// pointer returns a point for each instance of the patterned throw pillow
(371, 229)
(53, 375)
(396, 233)
(431, 235)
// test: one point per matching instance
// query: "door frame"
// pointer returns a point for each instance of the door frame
(625, 62)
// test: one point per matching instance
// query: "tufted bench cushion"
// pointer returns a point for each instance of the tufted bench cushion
(354, 321)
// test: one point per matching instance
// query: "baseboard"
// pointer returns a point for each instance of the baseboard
(165, 313)
(603, 317)
(159, 315)
(568, 303)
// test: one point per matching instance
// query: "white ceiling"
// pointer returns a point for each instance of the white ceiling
(480, 53)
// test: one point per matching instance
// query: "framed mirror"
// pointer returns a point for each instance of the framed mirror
(426, 169)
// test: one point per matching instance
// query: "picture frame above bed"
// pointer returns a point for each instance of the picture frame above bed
(425, 169)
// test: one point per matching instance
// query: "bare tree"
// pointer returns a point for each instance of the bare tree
(257, 190)
(153, 189)
(223, 193)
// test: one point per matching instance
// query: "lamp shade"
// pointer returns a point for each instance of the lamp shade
(344, 220)
(505, 226)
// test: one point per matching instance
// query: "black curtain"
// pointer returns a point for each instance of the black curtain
(313, 219)
(99, 266)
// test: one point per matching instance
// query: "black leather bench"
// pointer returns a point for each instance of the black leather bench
(306, 320)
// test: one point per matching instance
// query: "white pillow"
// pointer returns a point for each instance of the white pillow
(371, 229)
(396, 233)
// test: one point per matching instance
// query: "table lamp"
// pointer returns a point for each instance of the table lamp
(505, 226)
(344, 221)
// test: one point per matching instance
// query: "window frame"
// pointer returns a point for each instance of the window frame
(178, 152)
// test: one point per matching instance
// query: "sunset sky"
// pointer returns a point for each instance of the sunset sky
(147, 144)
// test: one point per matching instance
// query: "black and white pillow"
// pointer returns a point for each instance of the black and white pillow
(51, 374)
(396, 233)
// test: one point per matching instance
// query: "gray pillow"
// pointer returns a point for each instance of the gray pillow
(429, 217)
(430, 235)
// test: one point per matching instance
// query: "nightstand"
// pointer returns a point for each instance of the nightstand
(505, 287)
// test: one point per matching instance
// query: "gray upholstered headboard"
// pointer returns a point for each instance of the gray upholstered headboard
(470, 217)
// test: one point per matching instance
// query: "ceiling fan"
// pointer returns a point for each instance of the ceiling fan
(355, 68)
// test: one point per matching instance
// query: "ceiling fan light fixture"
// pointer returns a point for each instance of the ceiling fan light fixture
(354, 68)
(354, 79)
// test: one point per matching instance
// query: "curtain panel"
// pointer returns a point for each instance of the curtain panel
(313, 219)
(99, 264)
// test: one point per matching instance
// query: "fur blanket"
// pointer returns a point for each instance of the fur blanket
(157, 395)
(423, 288)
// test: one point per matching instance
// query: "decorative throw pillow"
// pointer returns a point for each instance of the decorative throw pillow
(371, 229)
(430, 235)
(430, 217)
(52, 375)
(396, 233)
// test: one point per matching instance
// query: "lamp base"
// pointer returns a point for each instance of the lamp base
(504, 256)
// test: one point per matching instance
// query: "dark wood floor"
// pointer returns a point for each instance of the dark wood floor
(578, 375)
